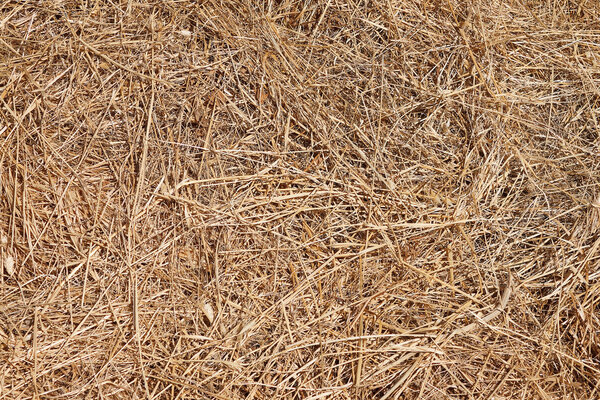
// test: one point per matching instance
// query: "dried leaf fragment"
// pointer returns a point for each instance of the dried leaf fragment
(9, 265)
(208, 311)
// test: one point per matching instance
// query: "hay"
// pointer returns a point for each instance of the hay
(299, 199)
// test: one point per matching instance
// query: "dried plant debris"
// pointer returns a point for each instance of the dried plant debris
(294, 199)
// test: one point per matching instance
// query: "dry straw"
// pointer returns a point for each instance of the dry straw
(291, 199)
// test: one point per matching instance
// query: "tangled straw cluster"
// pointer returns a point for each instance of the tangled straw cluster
(299, 199)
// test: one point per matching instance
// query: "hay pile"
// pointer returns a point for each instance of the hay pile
(296, 199)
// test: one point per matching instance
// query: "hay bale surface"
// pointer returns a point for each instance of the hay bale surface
(289, 199)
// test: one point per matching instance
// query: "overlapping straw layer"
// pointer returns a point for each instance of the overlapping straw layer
(327, 199)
